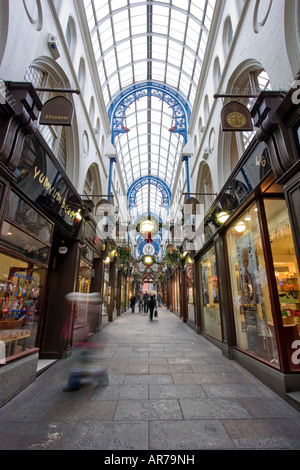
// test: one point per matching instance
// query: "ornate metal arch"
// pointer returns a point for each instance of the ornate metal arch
(120, 104)
(145, 180)
(141, 242)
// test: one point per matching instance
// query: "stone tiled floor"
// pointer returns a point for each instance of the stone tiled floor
(169, 389)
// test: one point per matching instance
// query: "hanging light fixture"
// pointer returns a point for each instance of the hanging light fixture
(147, 227)
(148, 260)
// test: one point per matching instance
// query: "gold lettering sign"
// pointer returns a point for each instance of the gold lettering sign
(39, 176)
(57, 111)
(236, 117)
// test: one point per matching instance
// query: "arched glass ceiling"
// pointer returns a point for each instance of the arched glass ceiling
(136, 41)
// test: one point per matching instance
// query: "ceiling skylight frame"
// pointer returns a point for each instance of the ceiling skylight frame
(177, 63)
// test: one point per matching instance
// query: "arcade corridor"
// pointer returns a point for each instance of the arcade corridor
(150, 148)
(169, 389)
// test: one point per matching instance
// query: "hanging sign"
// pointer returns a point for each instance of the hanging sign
(103, 208)
(57, 111)
(191, 206)
(236, 117)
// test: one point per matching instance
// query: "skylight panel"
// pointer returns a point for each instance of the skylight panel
(174, 54)
(116, 4)
(110, 62)
(160, 20)
(158, 72)
(184, 85)
(191, 42)
(114, 84)
(140, 71)
(197, 7)
(126, 77)
(138, 20)
(172, 76)
(184, 4)
(89, 14)
(144, 164)
(102, 10)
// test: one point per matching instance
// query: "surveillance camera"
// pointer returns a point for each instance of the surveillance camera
(53, 45)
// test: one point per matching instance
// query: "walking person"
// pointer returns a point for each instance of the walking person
(145, 298)
(140, 301)
(132, 303)
(151, 306)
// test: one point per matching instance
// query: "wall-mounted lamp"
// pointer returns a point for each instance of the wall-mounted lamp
(222, 217)
(78, 215)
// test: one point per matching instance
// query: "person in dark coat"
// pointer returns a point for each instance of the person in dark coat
(151, 306)
(146, 299)
(132, 303)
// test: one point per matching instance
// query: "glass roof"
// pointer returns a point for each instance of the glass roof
(135, 41)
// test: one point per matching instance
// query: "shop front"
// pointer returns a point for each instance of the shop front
(209, 295)
(266, 294)
(24, 254)
(40, 221)
(249, 265)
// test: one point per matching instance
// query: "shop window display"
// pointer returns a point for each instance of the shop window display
(286, 273)
(210, 311)
(250, 292)
(21, 287)
(106, 290)
(25, 232)
(84, 283)
(190, 289)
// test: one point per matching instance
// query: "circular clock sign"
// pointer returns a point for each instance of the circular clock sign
(148, 249)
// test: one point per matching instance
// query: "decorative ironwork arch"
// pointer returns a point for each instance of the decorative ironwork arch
(122, 102)
(145, 180)
(141, 242)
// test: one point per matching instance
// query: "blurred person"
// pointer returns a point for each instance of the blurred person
(151, 306)
(140, 301)
(84, 310)
(132, 303)
(145, 299)
(159, 298)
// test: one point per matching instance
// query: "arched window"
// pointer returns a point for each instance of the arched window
(92, 110)
(55, 136)
(206, 109)
(205, 186)
(97, 130)
(217, 72)
(255, 82)
(81, 74)
(71, 36)
(92, 185)
(227, 36)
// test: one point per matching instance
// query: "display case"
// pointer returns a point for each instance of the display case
(21, 287)
(289, 294)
